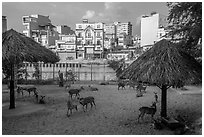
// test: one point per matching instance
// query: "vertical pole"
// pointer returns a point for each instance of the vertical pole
(53, 71)
(66, 72)
(26, 77)
(91, 71)
(12, 91)
(164, 101)
(104, 76)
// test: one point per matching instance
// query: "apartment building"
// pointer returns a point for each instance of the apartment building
(66, 47)
(123, 28)
(4, 24)
(90, 39)
(152, 29)
(110, 35)
(124, 40)
(40, 28)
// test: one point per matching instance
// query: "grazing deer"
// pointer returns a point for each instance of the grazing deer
(148, 110)
(87, 100)
(132, 84)
(93, 88)
(141, 88)
(121, 84)
(70, 107)
(42, 101)
(75, 91)
(156, 97)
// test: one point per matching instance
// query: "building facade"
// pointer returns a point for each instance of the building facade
(123, 28)
(110, 35)
(64, 29)
(40, 28)
(90, 39)
(4, 24)
(152, 29)
(66, 47)
(125, 40)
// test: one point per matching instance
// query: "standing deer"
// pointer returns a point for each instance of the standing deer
(148, 110)
(87, 100)
(75, 91)
(156, 97)
(70, 107)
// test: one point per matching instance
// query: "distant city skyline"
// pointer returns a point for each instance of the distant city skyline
(71, 13)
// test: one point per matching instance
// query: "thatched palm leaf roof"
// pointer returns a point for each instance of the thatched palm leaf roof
(164, 64)
(22, 48)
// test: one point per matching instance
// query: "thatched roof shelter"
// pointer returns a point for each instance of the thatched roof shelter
(165, 64)
(17, 48)
(22, 48)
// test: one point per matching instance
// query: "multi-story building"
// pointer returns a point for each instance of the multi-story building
(40, 28)
(123, 28)
(152, 29)
(66, 47)
(110, 35)
(124, 40)
(90, 39)
(4, 24)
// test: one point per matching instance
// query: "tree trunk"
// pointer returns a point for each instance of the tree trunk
(12, 91)
(164, 101)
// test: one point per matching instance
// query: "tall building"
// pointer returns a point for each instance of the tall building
(4, 24)
(124, 40)
(123, 28)
(110, 35)
(40, 28)
(152, 29)
(90, 39)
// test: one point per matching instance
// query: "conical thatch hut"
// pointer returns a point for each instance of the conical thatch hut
(164, 65)
(17, 48)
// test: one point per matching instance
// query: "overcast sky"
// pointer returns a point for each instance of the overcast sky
(70, 13)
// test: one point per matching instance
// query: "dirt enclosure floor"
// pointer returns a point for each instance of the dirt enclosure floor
(116, 112)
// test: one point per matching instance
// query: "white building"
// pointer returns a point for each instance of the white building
(110, 35)
(66, 47)
(90, 39)
(152, 29)
(40, 28)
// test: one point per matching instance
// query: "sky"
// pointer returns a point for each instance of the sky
(70, 13)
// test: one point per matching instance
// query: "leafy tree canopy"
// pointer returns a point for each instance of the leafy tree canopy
(185, 19)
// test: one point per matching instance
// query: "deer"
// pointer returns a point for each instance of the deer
(121, 84)
(75, 91)
(156, 97)
(132, 84)
(87, 100)
(70, 107)
(148, 110)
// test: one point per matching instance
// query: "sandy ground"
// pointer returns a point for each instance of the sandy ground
(115, 114)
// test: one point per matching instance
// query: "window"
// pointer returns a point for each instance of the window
(98, 34)
(63, 65)
(98, 26)
(98, 42)
(80, 26)
(79, 35)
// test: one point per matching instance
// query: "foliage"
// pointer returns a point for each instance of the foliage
(37, 73)
(185, 19)
(21, 71)
(71, 76)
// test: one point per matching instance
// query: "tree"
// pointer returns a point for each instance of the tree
(185, 19)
